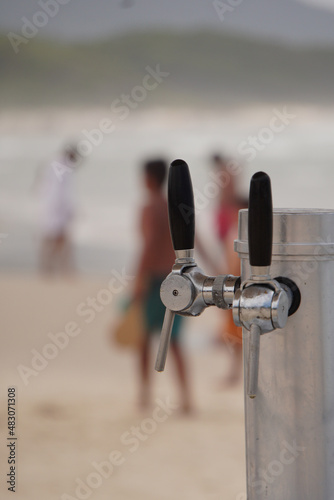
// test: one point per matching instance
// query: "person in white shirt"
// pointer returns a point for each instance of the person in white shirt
(57, 212)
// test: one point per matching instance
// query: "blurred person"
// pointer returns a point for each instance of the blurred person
(231, 334)
(55, 186)
(155, 263)
(227, 230)
(227, 211)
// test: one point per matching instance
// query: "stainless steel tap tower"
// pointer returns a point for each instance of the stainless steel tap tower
(290, 424)
(283, 301)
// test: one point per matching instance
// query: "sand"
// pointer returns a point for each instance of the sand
(79, 412)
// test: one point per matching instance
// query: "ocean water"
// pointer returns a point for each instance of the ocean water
(108, 188)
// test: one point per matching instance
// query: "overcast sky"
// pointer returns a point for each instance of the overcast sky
(327, 4)
(301, 21)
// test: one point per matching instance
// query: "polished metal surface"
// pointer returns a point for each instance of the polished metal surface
(166, 333)
(207, 290)
(265, 303)
(182, 292)
(188, 291)
(280, 306)
(231, 285)
(223, 290)
(290, 424)
(260, 273)
(176, 292)
(255, 307)
(198, 280)
(253, 360)
(295, 233)
(184, 254)
(259, 306)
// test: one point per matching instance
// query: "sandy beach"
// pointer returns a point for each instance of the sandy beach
(79, 431)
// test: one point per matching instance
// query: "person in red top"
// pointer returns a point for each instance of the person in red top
(155, 263)
(228, 204)
(227, 230)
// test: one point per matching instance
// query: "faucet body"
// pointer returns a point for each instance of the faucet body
(260, 304)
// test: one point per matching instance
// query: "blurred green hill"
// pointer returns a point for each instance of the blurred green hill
(206, 69)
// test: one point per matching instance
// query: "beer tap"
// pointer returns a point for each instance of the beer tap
(187, 291)
(260, 304)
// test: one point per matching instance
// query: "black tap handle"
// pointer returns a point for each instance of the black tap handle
(260, 220)
(181, 207)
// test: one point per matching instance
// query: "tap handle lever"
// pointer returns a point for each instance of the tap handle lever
(260, 222)
(260, 238)
(166, 333)
(253, 360)
(181, 206)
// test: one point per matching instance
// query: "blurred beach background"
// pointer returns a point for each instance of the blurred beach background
(227, 72)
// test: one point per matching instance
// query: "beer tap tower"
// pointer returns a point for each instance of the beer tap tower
(289, 374)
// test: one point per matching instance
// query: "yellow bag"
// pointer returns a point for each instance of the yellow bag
(130, 330)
